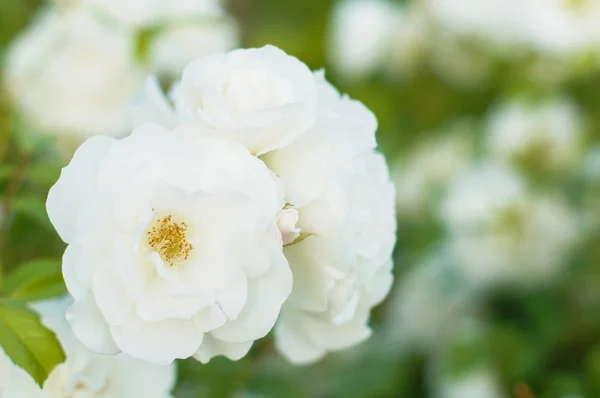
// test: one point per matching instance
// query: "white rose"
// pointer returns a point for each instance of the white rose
(344, 269)
(72, 76)
(173, 245)
(546, 135)
(262, 97)
(345, 203)
(501, 232)
(88, 375)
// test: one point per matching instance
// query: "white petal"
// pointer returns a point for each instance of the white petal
(156, 303)
(69, 262)
(76, 185)
(379, 286)
(232, 298)
(292, 342)
(311, 283)
(158, 342)
(266, 294)
(130, 171)
(90, 327)
(212, 347)
(336, 337)
(131, 378)
(209, 319)
(111, 296)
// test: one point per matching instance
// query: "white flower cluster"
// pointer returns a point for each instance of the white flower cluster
(73, 72)
(374, 35)
(461, 39)
(560, 28)
(497, 227)
(420, 176)
(255, 195)
(547, 135)
(502, 232)
(85, 374)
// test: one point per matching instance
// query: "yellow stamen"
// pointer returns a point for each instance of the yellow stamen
(169, 240)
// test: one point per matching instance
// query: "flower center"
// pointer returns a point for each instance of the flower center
(287, 218)
(169, 240)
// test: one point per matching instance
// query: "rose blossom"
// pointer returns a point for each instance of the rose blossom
(345, 200)
(173, 248)
(261, 97)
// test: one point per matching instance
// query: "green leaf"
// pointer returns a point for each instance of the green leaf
(37, 280)
(34, 208)
(27, 342)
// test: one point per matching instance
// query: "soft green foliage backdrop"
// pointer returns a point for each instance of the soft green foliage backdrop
(547, 338)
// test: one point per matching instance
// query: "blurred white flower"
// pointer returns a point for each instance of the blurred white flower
(560, 29)
(361, 36)
(501, 232)
(14, 381)
(410, 41)
(73, 73)
(179, 30)
(140, 13)
(564, 28)
(173, 248)
(547, 135)
(345, 201)
(498, 25)
(261, 97)
(430, 166)
(72, 76)
(88, 375)
(459, 64)
(372, 35)
(177, 44)
(427, 305)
